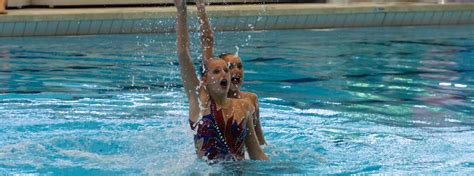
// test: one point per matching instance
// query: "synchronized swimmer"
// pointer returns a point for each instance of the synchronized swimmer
(235, 66)
(231, 122)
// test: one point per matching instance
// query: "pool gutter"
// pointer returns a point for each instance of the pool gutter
(128, 20)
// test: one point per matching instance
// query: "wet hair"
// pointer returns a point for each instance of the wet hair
(203, 67)
(225, 54)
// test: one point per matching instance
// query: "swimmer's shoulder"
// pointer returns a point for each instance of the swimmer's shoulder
(250, 96)
(243, 106)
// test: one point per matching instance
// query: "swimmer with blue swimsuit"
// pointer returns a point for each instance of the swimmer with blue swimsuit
(221, 124)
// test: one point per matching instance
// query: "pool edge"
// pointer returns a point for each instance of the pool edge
(96, 21)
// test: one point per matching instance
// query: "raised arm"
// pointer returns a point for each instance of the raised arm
(207, 36)
(188, 72)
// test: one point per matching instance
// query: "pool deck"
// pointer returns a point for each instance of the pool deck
(127, 20)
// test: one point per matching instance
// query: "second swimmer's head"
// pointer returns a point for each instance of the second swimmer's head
(236, 69)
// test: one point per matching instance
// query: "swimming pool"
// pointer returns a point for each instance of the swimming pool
(342, 101)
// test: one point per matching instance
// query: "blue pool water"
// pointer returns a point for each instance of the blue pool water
(343, 101)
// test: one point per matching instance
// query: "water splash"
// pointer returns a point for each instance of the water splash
(237, 50)
(251, 27)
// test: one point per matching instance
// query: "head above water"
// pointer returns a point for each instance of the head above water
(236, 69)
(216, 77)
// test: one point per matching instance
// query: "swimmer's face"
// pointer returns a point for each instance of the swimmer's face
(236, 71)
(217, 79)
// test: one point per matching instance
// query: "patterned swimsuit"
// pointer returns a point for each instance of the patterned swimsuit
(220, 141)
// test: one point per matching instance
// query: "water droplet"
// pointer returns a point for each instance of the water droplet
(237, 50)
(460, 85)
(444, 84)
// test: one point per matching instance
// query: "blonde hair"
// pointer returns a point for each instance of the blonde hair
(203, 66)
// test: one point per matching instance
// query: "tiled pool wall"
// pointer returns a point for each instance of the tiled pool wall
(263, 19)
